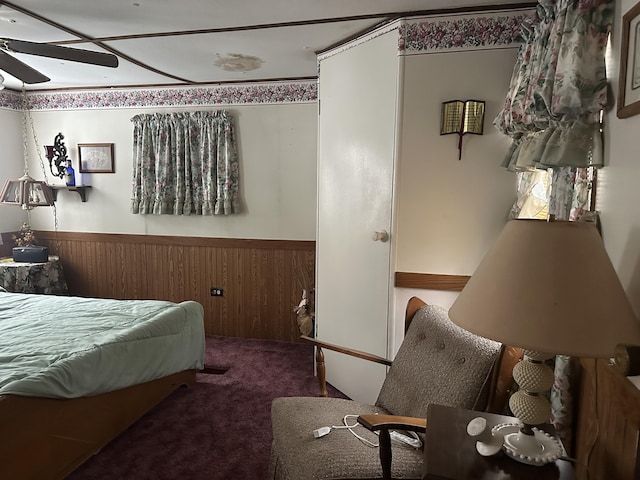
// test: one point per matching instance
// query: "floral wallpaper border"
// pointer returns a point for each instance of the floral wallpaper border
(10, 100)
(463, 32)
(420, 35)
(250, 94)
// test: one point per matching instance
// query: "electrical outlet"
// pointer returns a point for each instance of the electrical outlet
(216, 292)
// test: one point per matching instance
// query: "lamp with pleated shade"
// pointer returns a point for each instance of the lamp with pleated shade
(549, 288)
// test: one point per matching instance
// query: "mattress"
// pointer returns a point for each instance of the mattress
(68, 347)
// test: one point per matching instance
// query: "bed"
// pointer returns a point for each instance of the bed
(75, 372)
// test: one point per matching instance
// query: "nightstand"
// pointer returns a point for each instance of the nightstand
(450, 453)
(25, 277)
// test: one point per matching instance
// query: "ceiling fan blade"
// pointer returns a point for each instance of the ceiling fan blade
(20, 70)
(62, 53)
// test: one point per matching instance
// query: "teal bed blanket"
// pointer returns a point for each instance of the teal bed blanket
(67, 347)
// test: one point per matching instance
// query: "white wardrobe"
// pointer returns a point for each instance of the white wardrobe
(392, 194)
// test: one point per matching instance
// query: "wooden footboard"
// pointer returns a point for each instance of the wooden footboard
(42, 438)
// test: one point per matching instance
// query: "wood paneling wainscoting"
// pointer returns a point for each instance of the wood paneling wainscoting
(258, 277)
(431, 281)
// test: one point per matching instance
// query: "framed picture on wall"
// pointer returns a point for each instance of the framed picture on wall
(629, 86)
(96, 157)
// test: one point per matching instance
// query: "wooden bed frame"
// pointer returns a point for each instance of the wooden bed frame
(44, 438)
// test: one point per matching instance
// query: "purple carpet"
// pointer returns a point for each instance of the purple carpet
(218, 429)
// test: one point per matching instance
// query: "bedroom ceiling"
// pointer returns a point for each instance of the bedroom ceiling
(190, 42)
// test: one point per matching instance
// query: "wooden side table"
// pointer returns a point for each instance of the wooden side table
(450, 453)
(25, 277)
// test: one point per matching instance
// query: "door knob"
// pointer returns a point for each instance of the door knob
(380, 236)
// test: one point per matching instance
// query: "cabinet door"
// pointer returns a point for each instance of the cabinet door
(357, 134)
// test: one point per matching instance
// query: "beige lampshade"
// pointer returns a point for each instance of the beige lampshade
(550, 287)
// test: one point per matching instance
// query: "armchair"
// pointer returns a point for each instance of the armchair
(438, 362)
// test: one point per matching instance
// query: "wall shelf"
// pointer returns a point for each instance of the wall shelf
(81, 189)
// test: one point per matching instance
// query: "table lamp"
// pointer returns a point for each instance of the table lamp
(549, 288)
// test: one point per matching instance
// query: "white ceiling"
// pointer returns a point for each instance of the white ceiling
(184, 42)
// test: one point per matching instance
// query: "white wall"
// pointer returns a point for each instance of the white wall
(450, 211)
(277, 148)
(12, 165)
(618, 194)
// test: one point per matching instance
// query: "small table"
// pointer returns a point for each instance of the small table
(26, 277)
(450, 453)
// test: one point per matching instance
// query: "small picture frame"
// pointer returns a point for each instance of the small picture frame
(96, 158)
(629, 81)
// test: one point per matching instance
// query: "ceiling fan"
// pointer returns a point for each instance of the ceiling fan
(29, 75)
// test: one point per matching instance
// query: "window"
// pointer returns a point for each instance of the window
(565, 192)
(185, 164)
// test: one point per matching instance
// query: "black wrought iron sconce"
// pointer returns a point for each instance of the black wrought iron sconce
(462, 117)
(57, 156)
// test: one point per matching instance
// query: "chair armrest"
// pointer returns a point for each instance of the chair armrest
(375, 422)
(320, 366)
(348, 351)
(384, 423)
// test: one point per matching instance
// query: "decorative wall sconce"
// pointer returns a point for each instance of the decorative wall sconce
(57, 156)
(462, 117)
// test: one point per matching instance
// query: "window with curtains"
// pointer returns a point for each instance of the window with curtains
(553, 114)
(573, 198)
(185, 164)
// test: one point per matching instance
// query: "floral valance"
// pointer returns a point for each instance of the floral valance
(559, 87)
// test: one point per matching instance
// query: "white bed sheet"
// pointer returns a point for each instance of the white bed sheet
(67, 347)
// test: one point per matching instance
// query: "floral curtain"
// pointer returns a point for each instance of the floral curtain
(185, 164)
(559, 87)
(570, 198)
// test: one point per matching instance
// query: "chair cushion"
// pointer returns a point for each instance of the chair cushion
(438, 362)
(297, 455)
